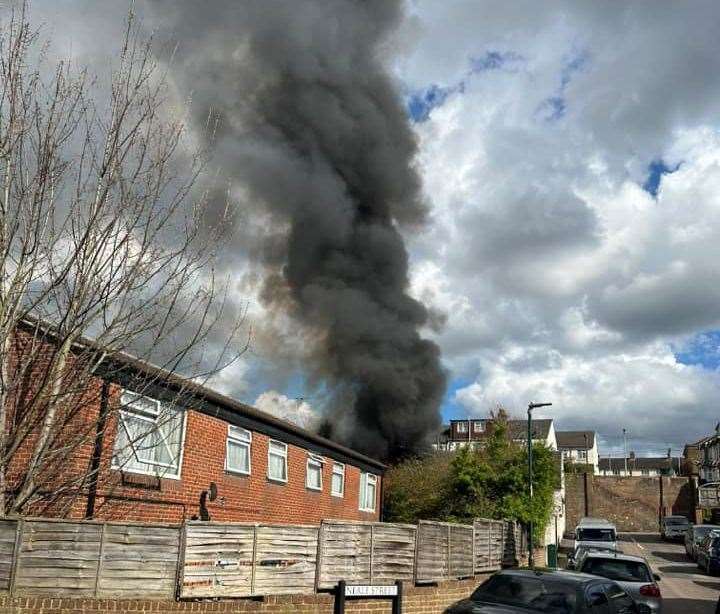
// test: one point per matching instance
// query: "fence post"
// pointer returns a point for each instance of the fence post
(449, 550)
(16, 554)
(472, 564)
(254, 561)
(372, 550)
(417, 549)
(100, 559)
(180, 567)
(318, 556)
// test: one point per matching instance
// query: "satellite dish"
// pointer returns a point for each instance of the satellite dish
(212, 491)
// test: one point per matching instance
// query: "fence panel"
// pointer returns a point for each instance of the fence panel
(285, 560)
(461, 551)
(393, 552)
(483, 550)
(511, 543)
(138, 560)
(58, 558)
(8, 535)
(218, 560)
(345, 553)
(432, 561)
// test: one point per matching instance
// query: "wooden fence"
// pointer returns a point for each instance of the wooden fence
(88, 559)
(365, 553)
(68, 558)
(244, 560)
(445, 551)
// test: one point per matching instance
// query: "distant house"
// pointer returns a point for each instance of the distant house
(579, 447)
(473, 431)
(647, 466)
(691, 459)
(709, 457)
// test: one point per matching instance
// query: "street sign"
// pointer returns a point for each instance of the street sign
(368, 591)
(371, 591)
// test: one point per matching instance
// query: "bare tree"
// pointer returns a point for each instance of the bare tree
(102, 237)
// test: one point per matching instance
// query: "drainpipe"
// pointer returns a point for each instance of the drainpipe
(97, 449)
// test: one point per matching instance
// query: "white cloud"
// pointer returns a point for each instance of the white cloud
(562, 279)
(297, 411)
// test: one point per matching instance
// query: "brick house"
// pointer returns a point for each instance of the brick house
(162, 455)
(473, 431)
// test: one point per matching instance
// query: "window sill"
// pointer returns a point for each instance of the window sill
(338, 495)
(237, 474)
(277, 481)
(367, 511)
(313, 489)
(146, 474)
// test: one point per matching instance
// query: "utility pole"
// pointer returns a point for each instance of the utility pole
(531, 406)
(625, 446)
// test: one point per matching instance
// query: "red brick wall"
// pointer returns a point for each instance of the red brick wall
(240, 498)
(416, 600)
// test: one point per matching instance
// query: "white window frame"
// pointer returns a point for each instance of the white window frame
(365, 479)
(318, 461)
(283, 455)
(149, 415)
(341, 473)
(478, 427)
(237, 435)
(462, 427)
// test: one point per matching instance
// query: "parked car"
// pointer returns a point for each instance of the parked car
(673, 527)
(694, 535)
(595, 532)
(550, 591)
(708, 553)
(632, 573)
(575, 558)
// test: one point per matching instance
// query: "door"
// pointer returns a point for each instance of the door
(620, 601)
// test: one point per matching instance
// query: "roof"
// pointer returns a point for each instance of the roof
(638, 463)
(575, 440)
(588, 522)
(614, 555)
(205, 400)
(556, 574)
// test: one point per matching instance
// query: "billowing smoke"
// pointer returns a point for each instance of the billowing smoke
(312, 131)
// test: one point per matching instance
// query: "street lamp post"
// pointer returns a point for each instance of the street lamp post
(531, 406)
(625, 449)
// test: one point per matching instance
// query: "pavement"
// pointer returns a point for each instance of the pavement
(685, 588)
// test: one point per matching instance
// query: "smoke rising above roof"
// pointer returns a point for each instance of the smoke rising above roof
(311, 127)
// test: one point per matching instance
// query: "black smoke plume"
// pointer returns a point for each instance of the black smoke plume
(312, 130)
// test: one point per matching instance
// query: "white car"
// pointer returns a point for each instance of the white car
(674, 527)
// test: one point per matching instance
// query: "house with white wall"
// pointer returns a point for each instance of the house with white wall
(579, 447)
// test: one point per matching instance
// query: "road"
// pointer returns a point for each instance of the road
(685, 589)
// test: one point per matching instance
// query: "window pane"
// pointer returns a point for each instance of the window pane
(278, 448)
(337, 484)
(276, 467)
(314, 475)
(238, 456)
(239, 433)
(370, 500)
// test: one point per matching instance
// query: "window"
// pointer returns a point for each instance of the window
(582, 454)
(313, 475)
(149, 436)
(237, 453)
(461, 427)
(478, 427)
(338, 480)
(368, 488)
(277, 461)
(645, 472)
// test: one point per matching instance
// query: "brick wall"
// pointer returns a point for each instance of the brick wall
(416, 600)
(631, 503)
(240, 498)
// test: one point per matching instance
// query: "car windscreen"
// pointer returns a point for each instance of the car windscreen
(676, 522)
(535, 593)
(596, 535)
(701, 532)
(617, 569)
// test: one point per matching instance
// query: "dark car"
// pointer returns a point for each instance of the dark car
(708, 553)
(549, 591)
